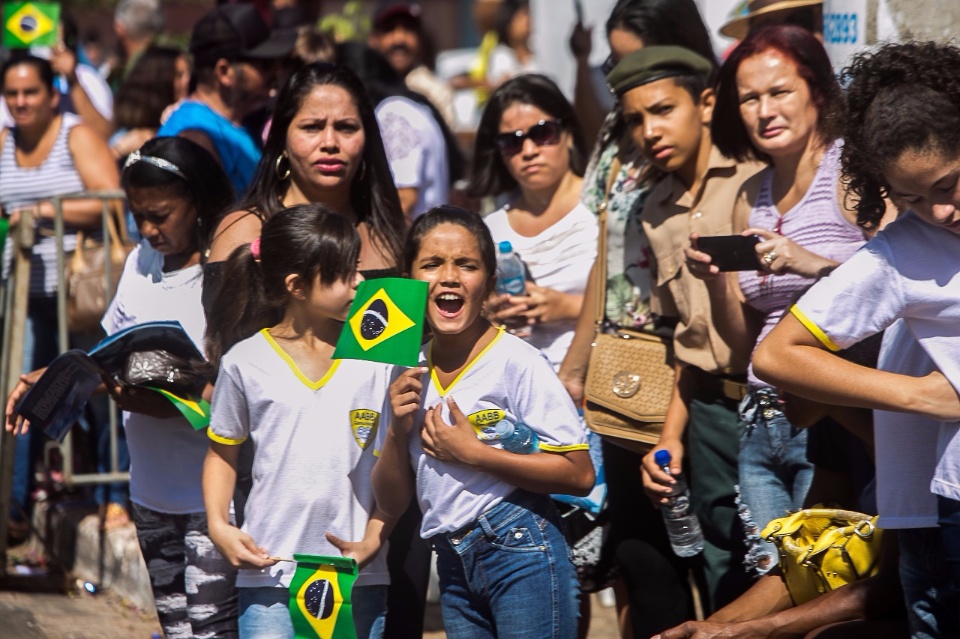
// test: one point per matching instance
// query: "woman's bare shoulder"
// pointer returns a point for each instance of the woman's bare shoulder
(234, 229)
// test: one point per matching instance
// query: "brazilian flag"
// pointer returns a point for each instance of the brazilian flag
(27, 24)
(385, 322)
(321, 604)
(195, 410)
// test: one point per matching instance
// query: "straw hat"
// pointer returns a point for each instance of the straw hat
(738, 27)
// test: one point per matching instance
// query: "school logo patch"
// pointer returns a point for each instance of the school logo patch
(483, 422)
(364, 423)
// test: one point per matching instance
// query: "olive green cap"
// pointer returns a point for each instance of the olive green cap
(655, 63)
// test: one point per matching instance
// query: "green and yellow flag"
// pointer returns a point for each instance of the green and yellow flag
(27, 24)
(321, 604)
(385, 322)
(195, 410)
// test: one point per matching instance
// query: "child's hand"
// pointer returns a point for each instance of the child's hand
(405, 392)
(239, 548)
(454, 442)
(658, 484)
(362, 551)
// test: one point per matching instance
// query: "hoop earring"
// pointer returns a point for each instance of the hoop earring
(276, 167)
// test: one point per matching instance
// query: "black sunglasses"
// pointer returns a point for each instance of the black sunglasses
(543, 133)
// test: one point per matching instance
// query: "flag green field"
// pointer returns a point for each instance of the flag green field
(27, 24)
(321, 604)
(385, 323)
(196, 411)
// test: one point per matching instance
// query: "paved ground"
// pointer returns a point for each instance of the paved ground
(78, 615)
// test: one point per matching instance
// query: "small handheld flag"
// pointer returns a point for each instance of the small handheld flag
(195, 410)
(321, 604)
(385, 322)
(27, 24)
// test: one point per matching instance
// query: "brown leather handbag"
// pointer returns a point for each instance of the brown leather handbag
(630, 375)
(85, 274)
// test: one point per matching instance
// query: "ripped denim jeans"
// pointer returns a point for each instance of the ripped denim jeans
(774, 473)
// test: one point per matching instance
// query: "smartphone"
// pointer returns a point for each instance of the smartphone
(578, 10)
(731, 252)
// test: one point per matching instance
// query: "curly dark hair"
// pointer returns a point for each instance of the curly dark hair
(901, 97)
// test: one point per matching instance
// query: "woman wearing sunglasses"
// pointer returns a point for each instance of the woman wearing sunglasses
(529, 146)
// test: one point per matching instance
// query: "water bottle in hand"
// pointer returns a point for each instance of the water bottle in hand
(516, 437)
(683, 527)
(511, 280)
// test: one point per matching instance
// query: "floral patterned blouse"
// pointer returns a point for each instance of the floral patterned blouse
(629, 280)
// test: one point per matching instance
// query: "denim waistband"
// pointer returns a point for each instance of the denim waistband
(512, 507)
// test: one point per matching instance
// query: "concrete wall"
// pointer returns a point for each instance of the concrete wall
(926, 19)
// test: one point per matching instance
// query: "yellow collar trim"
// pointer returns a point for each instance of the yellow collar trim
(433, 373)
(296, 369)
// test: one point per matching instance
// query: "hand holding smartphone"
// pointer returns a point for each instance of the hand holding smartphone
(731, 252)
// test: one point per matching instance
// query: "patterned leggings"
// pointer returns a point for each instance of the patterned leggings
(193, 585)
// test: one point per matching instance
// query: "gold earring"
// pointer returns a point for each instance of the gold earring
(286, 173)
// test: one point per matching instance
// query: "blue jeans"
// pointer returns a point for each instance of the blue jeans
(931, 611)
(509, 574)
(265, 612)
(775, 474)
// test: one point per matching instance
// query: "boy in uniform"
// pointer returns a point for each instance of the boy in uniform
(667, 101)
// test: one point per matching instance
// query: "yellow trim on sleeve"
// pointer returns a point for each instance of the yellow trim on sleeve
(433, 373)
(563, 449)
(317, 385)
(814, 329)
(224, 440)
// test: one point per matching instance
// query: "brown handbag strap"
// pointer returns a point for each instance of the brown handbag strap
(600, 268)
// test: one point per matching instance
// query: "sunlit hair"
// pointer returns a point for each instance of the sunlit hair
(801, 48)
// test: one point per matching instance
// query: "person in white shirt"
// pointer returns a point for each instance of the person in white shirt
(902, 139)
(529, 147)
(314, 421)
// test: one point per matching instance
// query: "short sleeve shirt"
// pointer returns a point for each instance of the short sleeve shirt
(671, 213)
(511, 380)
(316, 443)
(909, 271)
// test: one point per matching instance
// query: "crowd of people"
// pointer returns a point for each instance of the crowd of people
(269, 170)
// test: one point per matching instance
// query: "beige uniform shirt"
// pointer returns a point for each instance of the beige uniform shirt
(670, 214)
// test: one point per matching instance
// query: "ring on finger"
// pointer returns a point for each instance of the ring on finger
(769, 257)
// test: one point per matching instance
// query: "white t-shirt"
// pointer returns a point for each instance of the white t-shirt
(416, 151)
(560, 257)
(509, 379)
(316, 444)
(910, 270)
(166, 455)
(905, 444)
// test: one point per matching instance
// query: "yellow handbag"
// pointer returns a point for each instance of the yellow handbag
(822, 549)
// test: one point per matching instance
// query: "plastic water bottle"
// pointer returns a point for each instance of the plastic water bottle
(511, 280)
(510, 273)
(516, 437)
(683, 527)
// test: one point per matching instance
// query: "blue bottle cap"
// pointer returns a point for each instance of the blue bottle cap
(505, 246)
(662, 457)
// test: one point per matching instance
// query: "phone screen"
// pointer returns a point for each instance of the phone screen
(731, 252)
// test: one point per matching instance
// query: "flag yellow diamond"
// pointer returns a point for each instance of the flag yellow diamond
(29, 24)
(379, 320)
